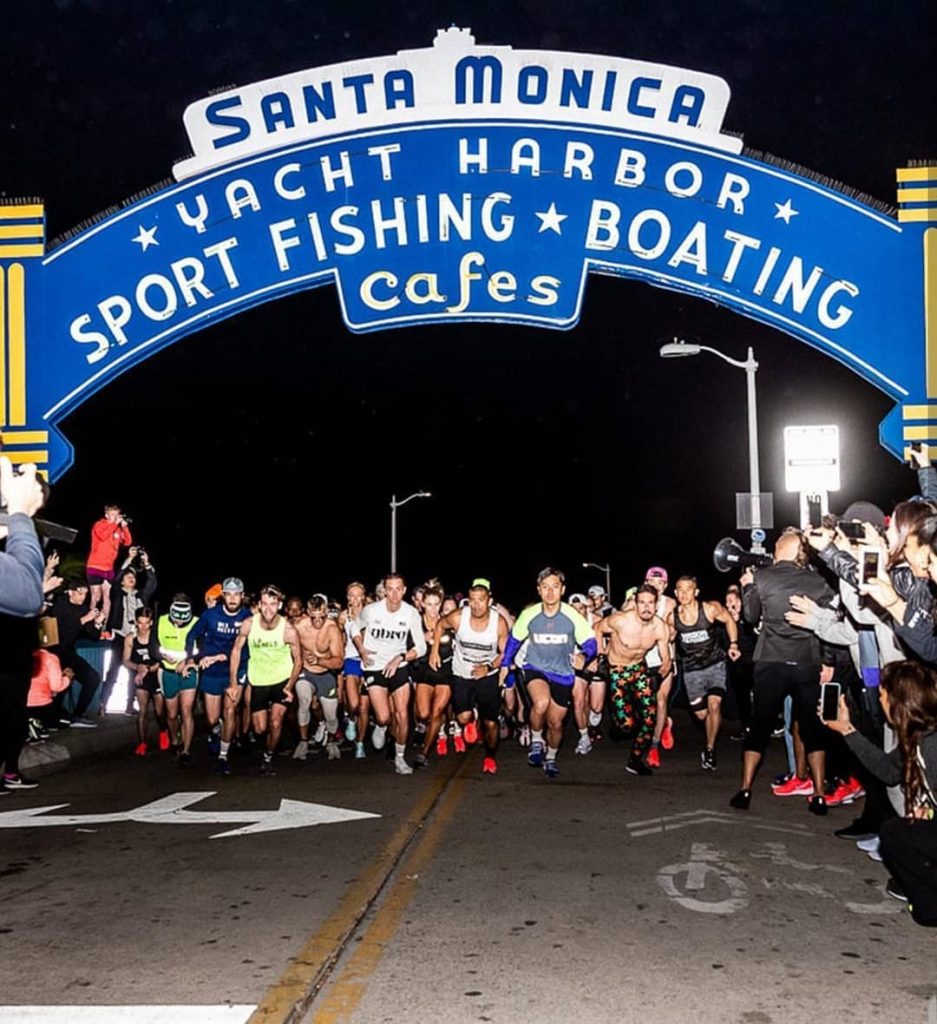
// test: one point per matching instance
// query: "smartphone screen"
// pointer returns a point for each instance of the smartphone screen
(852, 529)
(870, 564)
(829, 701)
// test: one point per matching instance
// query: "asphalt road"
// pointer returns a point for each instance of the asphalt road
(595, 896)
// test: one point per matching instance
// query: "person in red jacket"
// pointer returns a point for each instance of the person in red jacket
(107, 537)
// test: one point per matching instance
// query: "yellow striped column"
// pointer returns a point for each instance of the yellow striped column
(22, 244)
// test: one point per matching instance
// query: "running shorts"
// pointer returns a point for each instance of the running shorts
(98, 576)
(352, 667)
(484, 693)
(560, 693)
(173, 683)
(264, 697)
(377, 678)
(324, 684)
(421, 672)
(150, 684)
(213, 685)
(702, 682)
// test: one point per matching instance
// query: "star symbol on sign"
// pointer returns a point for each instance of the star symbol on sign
(551, 220)
(785, 211)
(146, 237)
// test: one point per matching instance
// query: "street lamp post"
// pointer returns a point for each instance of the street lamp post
(608, 575)
(676, 349)
(394, 505)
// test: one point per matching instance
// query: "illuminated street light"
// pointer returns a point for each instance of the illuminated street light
(608, 576)
(394, 505)
(678, 348)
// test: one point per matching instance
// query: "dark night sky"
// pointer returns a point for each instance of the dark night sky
(293, 432)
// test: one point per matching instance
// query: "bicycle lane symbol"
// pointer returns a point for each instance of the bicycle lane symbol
(705, 874)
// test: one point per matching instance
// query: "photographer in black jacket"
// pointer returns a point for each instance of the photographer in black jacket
(787, 661)
(21, 568)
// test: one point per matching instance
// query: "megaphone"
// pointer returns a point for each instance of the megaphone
(729, 555)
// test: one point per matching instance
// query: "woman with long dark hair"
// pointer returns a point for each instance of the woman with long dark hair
(908, 693)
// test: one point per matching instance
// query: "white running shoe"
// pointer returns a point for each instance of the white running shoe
(334, 752)
(869, 845)
(360, 754)
(401, 767)
(584, 746)
(523, 737)
(351, 731)
(301, 751)
(379, 736)
(320, 734)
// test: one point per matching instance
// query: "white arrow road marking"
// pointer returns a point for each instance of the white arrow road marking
(172, 810)
(225, 1014)
(673, 822)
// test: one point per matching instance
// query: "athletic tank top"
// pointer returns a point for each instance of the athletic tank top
(698, 645)
(271, 658)
(352, 629)
(145, 653)
(445, 642)
(471, 648)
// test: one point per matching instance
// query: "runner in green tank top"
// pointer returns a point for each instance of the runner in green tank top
(275, 663)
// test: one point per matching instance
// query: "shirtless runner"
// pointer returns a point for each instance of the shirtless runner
(631, 635)
(322, 647)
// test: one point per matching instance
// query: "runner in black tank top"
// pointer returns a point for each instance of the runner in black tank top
(703, 659)
(141, 658)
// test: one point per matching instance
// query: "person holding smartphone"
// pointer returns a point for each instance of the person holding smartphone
(787, 661)
(908, 694)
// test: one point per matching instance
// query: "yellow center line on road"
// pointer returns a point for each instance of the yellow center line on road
(289, 998)
(347, 991)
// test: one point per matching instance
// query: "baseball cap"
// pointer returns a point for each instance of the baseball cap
(656, 572)
(596, 591)
(581, 598)
(480, 581)
(232, 585)
(76, 583)
(865, 512)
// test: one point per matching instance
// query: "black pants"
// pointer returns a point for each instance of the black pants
(909, 850)
(740, 675)
(87, 679)
(14, 716)
(774, 680)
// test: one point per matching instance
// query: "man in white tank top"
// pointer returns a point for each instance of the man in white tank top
(477, 647)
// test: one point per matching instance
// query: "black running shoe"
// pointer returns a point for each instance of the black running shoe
(817, 805)
(636, 766)
(18, 782)
(708, 759)
(184, 759)
(856, 829)
(266, 767)
(742, 800)
(893, 888)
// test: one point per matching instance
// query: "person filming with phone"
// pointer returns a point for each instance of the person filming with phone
(908, 694)
(787, 661)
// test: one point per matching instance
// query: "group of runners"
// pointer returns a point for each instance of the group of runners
(434, 671)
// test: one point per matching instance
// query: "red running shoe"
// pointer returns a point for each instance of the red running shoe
(442, 746)
(844, 792)
(666, 737)
(140, 750)
(470, 732)
(164, 739)
(794, 787)
(490, 766)
(653, 758)
(459, 743)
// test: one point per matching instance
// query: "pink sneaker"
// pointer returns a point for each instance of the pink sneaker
(794, 787)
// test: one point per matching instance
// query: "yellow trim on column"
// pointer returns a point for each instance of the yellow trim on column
(926, 194)
(920, 433)
(3, 346)
(17, 251)
(929, 242)
(27, 455)
(17, 353)
(922, 215)
(916, 174)
(919, 412)
(36, 210)
(24, 436)
(18, 231)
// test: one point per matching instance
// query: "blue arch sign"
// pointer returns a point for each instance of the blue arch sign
(462, 183)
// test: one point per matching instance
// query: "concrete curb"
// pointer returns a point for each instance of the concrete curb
(114, 734)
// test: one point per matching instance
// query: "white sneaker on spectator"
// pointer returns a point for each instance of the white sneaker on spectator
(869, 845)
